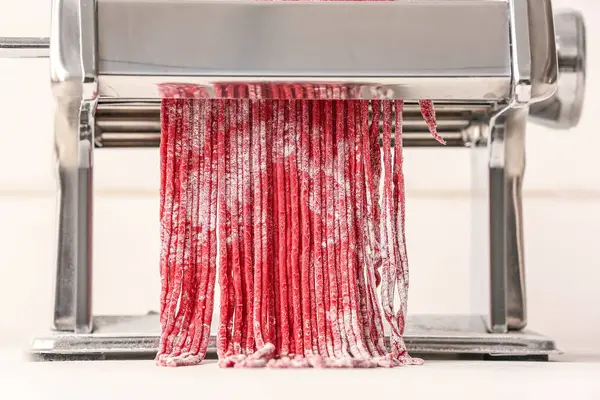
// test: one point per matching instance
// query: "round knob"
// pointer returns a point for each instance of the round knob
(563, 109)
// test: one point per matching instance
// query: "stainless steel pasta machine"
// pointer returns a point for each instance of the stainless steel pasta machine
(489, 65)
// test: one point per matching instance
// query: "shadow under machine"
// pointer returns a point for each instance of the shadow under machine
(489, 65)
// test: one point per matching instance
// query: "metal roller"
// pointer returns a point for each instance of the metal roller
(138, 125)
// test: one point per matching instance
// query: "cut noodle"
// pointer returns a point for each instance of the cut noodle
(283, 195)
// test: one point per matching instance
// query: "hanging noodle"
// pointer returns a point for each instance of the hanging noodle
(284, 196)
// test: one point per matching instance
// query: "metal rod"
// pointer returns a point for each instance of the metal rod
(21, 47)
(152, 139)
(126, 107)
(134, 124)
(152, 124)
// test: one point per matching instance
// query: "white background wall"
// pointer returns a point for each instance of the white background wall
(562, 210)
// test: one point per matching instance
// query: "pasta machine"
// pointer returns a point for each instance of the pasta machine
(489, 65)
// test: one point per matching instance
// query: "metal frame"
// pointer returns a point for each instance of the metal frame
(506, 72)
(448, 63)
(73, 68)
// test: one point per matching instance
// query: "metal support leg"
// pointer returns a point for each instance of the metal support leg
(497, 223)
(74, 84)
(74, 144)
(66, 130)
(488, 228)
(83, 286)
(497, 231)
(514, 135)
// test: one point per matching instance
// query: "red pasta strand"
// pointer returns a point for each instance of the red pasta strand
(279, 201)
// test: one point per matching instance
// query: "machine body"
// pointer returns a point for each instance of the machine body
(109, 59)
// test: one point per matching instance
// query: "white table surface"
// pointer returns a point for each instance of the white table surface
(573, 377)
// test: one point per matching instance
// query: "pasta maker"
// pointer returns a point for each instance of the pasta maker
(489, 65)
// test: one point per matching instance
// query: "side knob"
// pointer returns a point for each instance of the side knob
(563, 109)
